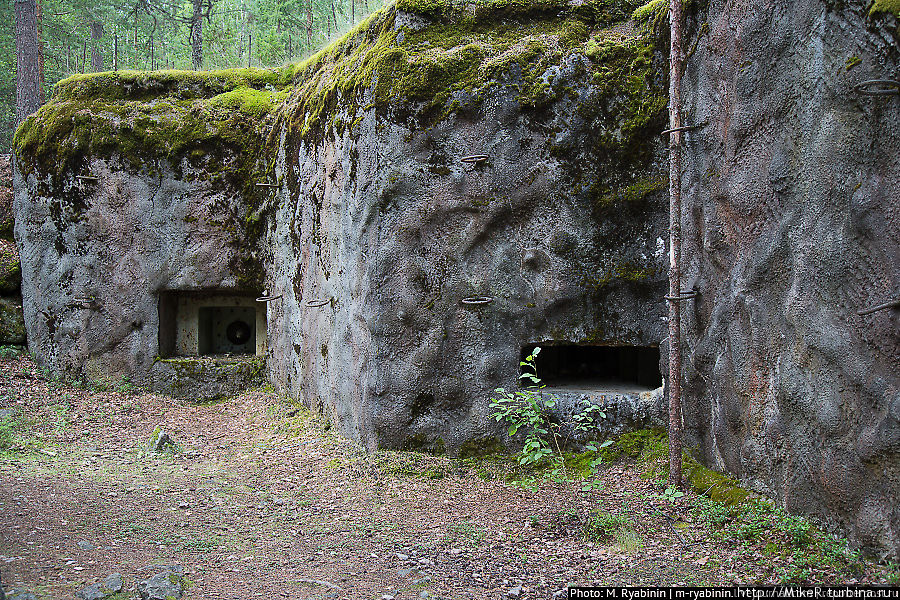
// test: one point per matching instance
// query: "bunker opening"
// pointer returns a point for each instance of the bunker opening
(594, 368)
(213, 323)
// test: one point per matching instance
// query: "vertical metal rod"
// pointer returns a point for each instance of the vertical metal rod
(675, 70)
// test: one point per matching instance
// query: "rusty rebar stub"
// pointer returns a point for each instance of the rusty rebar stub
(268, 298)
(318, 303)
(878, 87)
(268, 185)
(682, 128)
(86, 302)
(477, 300)
(474, 159)
(870, 310)
(685, 295)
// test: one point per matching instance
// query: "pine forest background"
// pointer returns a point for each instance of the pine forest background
(83, 36)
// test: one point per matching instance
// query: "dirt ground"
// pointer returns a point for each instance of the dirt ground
(260, 500)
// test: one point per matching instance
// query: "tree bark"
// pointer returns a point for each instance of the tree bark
(96, 50)
(674, 384)
(309, 24)
(28, 72)
(197, 35)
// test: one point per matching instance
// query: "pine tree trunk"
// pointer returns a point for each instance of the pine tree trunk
(96, 50)
(40, 35)
(28, 71)
(674, 383)
(197, 36)
(309, 24)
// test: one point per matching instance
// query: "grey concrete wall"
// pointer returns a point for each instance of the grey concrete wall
(792, 226)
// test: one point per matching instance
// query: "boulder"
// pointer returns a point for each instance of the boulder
(101, 590)
(166, 585)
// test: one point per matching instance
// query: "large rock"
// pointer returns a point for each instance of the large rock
(166, 585)
(102, 590)
(792, 227)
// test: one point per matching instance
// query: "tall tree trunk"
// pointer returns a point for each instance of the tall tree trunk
(243, 17)
(197, 35)
(309, 24)
(84, 57)
(116, 51)
(675, 68)
(96, 50)
(28, 72)
(249, 47)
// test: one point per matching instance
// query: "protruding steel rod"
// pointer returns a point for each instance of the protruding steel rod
(475, 158)
(685, 295)
(682, 128)
(269, 185)
(477, 300)
(318, 303)
(878, 87)
(869, 311)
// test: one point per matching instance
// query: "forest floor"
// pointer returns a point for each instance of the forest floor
(261, 500)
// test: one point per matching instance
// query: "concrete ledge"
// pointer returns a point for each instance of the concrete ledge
(207, 378)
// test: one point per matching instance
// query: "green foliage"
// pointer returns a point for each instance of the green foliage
(9, 426)
(10, 268)
(528, 411)
(651, 13)
(11, 352)
(802, 547)
(601, 525)
(671, 494)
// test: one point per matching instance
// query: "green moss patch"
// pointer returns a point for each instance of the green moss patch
(429, 70)
(885, 6)
(10, 268)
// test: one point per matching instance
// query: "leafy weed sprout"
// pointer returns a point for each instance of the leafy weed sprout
(529, 410)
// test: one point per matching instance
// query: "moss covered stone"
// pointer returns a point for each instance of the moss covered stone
(443, 64)
(10, 269)
(885, 6)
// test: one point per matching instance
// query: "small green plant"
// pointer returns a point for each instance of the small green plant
(672, 494)
(602, 525)
(528, 410)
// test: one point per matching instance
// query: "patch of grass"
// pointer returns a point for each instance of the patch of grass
(629, 540)
(803, 549)
(601, 525)
(11, 352)
(198, 545)
(9, 427)
(465, 532)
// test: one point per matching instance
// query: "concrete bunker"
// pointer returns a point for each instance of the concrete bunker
(212, 343)
(624, 369)
(211, 323)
